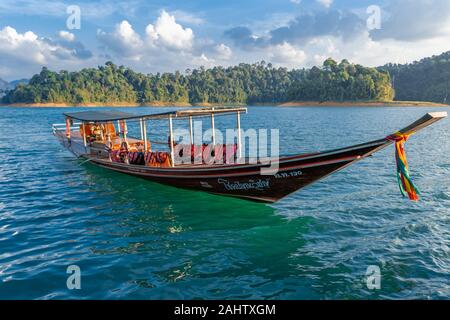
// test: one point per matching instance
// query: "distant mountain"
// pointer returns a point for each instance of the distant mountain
(14, 83)
(5, 85)
(424, 80)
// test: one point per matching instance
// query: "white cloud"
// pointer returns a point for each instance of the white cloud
(325, 3)
(164, 34)
(165, 45)
(66, 35)
(170, 33)
(123, 41)
(286, 54)
(187, 17)
(223, 52)
(309, 39)
(26, 47)
(360, 49)
(375, 53)
(125, 33)
(25, 53)
(168, 44)
(203, 60)
(296, 1)
(365, 51)
(411, 20)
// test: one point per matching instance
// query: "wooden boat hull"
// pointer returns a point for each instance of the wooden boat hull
(246, 181)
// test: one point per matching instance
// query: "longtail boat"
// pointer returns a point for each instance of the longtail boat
(101, 138)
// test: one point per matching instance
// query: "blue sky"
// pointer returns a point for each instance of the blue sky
(158, 36)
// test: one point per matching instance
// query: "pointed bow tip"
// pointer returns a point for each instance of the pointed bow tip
(441, 114)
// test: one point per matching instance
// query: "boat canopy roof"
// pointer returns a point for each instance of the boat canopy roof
(112, 115)
(99, 115)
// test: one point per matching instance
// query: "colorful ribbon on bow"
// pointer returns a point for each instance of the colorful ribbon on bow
(405, 183)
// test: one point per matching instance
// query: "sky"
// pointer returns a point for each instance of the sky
(164, 36)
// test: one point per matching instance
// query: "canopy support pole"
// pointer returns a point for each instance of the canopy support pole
(213, 129)
(120, 133)
(142, 129)
(108, 141)
(84, 135)
(102, 134)
(171, 141)
(124, 130)
(191, 136)
(68, 128)
(239, 134)
(145, 134)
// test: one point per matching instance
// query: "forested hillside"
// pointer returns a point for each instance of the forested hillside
(245, 83)
(424, 80)
(341, 82)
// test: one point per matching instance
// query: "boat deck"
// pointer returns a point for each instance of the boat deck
(76, 136)
(77, 139)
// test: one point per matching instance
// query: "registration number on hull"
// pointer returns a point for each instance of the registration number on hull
(290, 174)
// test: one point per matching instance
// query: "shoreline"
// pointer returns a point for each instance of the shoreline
(285, 104)
(118, 104)
(362, 104)
(110, 104)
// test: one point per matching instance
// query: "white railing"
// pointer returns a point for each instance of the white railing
(62, 127)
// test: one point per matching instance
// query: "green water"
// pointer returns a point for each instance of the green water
(134, 239)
